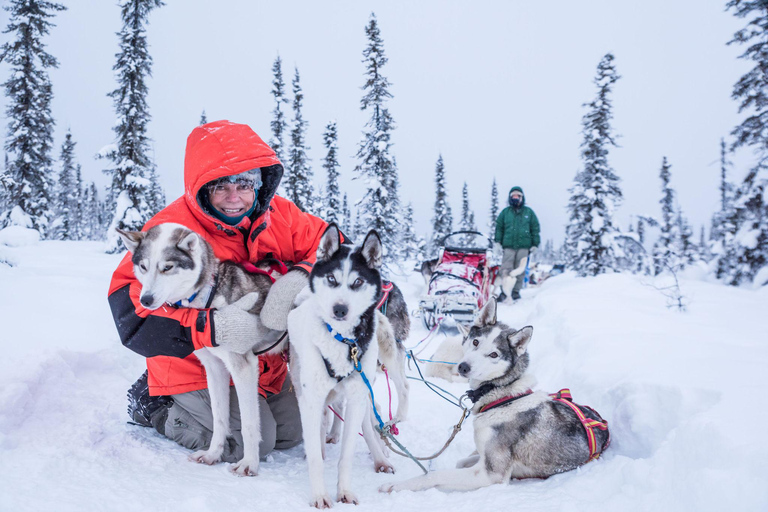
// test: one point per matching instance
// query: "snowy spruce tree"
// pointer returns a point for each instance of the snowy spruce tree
(28, 175)
(494, 211)
(413, 245)
(595, 193)
(133, 196)
(668, 250)
(298, 182)
(467, 222)
(95, 217)
(332, 210)
(442, 219)
(379, 208)
(278, 125)
(69, 200)
(203, 119)
(745, 257)
(723, 225)
(346, 217)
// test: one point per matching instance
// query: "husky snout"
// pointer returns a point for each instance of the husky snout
(464, 369)
(340, 311)
(147, 300)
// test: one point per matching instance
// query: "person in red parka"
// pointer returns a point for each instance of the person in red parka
(230, 180)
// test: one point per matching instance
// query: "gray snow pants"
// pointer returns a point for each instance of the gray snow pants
(190, 422)
(510, 261)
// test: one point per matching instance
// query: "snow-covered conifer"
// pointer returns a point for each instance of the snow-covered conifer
(467, 222)
(298, 182)
(494, 211)
(595, 193)
(668, 251)
(346, 217)
(69, 194)
(30, 123)
(413, 245)
(379, 208)
(278, 125)
(133, 193)
(745, 257)
(203, 118)
(332, 211)
(442, 220)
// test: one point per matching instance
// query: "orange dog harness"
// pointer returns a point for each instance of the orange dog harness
(564, 397)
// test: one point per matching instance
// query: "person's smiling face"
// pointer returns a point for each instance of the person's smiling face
(232, 199)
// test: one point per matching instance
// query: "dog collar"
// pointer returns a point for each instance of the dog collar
(504, 401)
(477, 394)
(339, 337)
(180, 304)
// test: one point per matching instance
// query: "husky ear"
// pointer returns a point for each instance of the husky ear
(463, 330)
(519, 340)
(329, 242)
(372, 250)
(131, 239)
(487, 315)
(189, 243)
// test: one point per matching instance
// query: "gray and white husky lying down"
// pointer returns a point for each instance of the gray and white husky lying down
(518, 433)
(174, 264)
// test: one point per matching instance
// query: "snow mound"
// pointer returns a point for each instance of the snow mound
(17, 236)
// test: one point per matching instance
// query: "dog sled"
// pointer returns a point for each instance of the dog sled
(462, 280)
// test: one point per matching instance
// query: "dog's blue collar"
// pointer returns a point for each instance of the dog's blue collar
(339, 337)
(179, 303)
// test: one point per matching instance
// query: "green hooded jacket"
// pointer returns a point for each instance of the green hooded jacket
(517, 228)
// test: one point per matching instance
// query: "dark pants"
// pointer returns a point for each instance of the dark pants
(190, 422)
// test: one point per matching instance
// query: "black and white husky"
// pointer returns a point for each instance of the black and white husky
(177, 266)
(335, 333)
(519, 433)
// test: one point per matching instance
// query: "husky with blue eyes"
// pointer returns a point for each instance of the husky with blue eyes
(337, 334)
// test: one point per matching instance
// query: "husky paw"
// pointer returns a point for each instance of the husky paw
(347, 497)
(383, 467)
(323, 501)
(387, 488)
(205, 457)
(332, 439)
(246, 468)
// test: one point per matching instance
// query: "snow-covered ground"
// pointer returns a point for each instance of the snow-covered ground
(682, 393)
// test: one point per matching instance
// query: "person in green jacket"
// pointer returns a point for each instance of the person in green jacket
(517, 230)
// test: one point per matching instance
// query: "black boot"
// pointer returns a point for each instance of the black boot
(502, 297)
(145, 410)
(515, 295)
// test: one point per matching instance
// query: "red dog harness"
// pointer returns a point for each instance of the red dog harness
(386, 287)
(564, 397)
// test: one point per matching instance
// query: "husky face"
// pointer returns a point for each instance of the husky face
(345, 280)
(493, 351)
(167, 260)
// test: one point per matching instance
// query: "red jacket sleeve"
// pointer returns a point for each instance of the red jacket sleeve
(167, 331)
(306, 232)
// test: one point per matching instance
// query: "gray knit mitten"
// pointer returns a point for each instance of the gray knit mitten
(280, 299)
(235, 329)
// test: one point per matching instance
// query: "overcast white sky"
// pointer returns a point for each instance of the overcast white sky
(497, 87)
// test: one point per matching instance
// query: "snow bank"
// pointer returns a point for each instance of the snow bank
(678, 389)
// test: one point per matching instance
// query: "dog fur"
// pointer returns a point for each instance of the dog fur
(533, 436)
(345, 285)
(173, 263)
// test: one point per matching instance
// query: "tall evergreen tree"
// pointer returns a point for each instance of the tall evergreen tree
(332, 211)
(668, 251)
(413, 245)
(69, 200)
(95, 216)
(722, 220)
(346, 217)
(30, 123)
(133, 192)
(203, 118)
(641, 231)
(6, 182)
(442, 220)
(298, 185)
(467, 222)
(379, 208)
(494, 211)
(279, 124)
(595, 193)
(746, 253)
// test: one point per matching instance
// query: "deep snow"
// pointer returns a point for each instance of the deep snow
(681, 391)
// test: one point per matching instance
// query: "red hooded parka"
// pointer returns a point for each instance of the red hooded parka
(276, 228)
